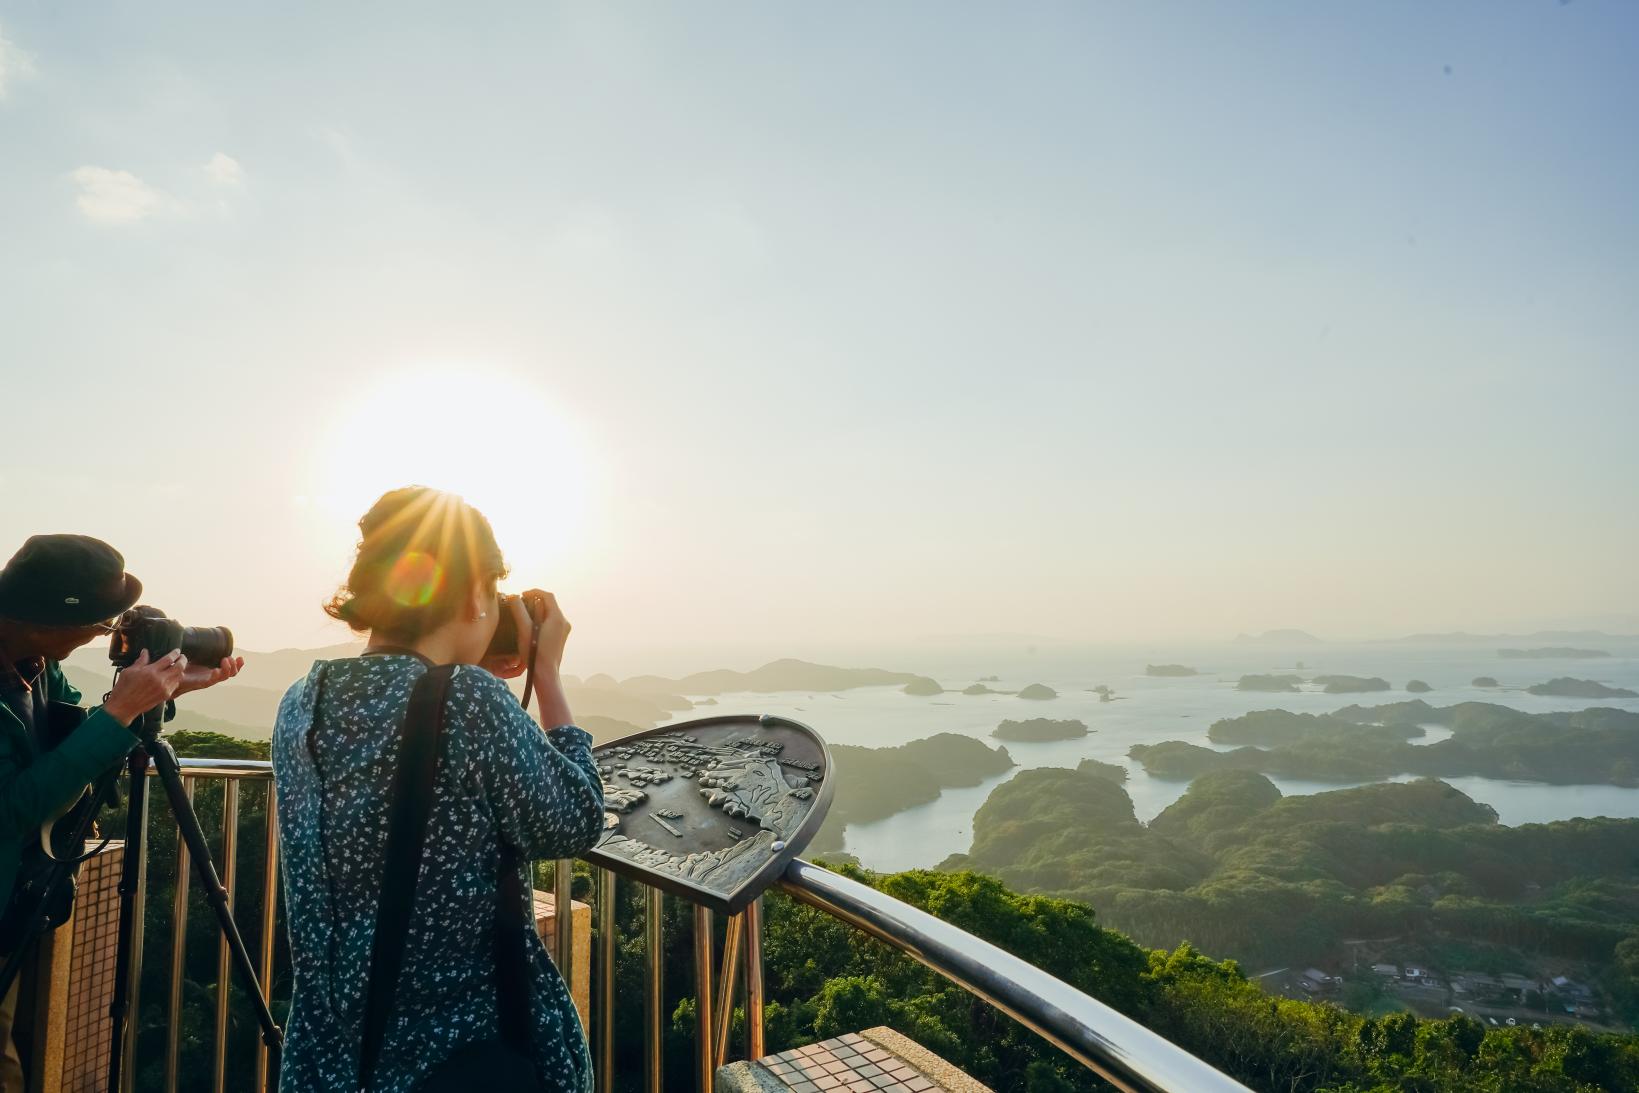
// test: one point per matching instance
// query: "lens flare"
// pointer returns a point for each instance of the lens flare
(414, 579)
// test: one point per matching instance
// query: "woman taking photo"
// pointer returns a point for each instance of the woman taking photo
(423, 589)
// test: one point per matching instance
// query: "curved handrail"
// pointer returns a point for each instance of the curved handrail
(1120, 1049)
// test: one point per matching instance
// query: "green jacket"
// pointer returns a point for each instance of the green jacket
(34, 786)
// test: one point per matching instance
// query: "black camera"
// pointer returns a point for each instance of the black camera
(147, 628)
(505, 641)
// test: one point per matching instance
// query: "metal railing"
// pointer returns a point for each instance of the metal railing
(1125, 1053)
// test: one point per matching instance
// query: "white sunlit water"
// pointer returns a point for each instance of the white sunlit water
(1155, 709)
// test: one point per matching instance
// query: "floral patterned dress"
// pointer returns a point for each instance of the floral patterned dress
(499, 778)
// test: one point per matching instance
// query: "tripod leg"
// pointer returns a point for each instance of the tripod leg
(170, 776)
(136, 810)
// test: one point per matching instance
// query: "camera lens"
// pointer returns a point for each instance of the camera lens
(206, 644)
(147, 628)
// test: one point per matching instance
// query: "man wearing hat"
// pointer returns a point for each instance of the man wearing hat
(56, 594)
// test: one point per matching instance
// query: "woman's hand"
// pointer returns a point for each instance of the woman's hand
(144, 685)
(198, 677)
(554, 635)
(553, 705)
(512, 665)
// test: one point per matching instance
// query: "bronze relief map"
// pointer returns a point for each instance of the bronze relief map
(713, 809)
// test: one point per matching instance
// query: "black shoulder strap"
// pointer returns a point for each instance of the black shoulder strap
(409, 804)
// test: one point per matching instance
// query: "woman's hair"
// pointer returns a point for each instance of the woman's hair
(422, 550)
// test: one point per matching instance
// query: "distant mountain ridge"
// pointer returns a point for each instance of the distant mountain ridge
(1279, 637)
(1463, 637)
(247, 706)
(787, 674)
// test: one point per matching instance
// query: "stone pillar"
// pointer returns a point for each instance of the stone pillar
(580, 971)
(76, 981)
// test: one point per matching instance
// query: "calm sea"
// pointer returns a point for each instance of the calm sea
(1154, 709)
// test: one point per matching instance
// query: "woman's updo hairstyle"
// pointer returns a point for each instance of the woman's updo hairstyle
(422, 549)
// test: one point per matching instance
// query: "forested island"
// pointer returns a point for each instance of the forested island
(1238, 870)
(1566, 687)
(1169, 670)
(875, 783)
(923, 686)
(1038, 691)
(1417, 687)
(1039, 729)
(1596, 745)
(1338, 685)
(1269, 683)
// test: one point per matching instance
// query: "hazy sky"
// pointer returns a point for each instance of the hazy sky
(770, 325)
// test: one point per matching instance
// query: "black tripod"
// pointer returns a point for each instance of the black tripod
(170, 776)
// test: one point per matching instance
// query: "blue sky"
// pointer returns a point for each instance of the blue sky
(1093, 320)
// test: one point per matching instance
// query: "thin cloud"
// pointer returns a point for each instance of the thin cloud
(114, 197)
(224, 170)
(14, 63)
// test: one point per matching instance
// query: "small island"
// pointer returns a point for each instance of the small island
(923, 686)
(1269, 683)
(1038, 729)
(1566, 687)
(1038, 691)
(1169, 670)
(1110, 772)
(1485, 681)
(1175, 759)
(978, 689)
(1345, 685)
(1418, 687)
(875, 783)
(1551, 652)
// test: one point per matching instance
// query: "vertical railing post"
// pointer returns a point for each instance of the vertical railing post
(224, 985)
(179, 939)
(725, 988)
(608, 945)
(654, 993)
(703, 1054)
(754, 980)
(270, 910)
(563, 918)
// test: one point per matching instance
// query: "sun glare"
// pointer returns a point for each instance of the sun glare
(490, 437)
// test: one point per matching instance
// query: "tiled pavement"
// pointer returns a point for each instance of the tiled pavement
(848, 1063)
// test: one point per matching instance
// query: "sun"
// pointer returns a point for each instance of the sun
(496, 439)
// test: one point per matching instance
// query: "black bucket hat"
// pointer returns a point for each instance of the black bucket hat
(66, 580)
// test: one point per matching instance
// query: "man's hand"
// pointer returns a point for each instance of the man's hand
(197, 677)
(144, 685)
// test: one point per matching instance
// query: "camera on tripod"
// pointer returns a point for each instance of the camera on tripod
(148, 628)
